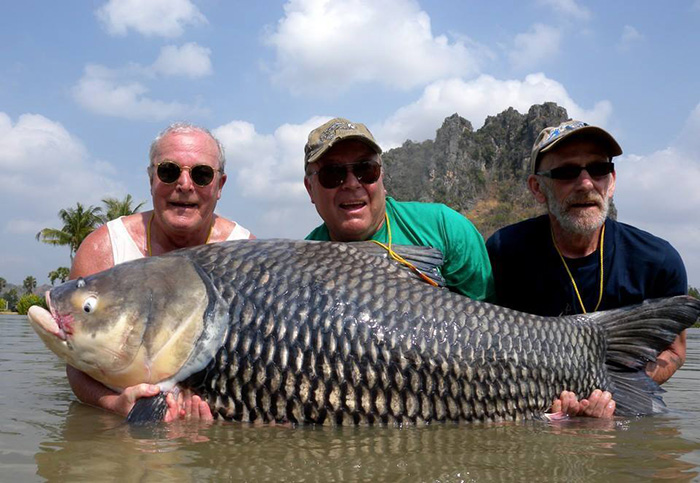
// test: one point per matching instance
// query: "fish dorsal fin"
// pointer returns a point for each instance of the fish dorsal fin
(427, 260)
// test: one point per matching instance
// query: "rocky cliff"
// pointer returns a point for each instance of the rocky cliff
(481, 173)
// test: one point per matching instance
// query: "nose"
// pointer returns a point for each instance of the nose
(184, 182)
(351, 180)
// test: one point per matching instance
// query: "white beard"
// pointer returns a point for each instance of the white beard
(579, 224)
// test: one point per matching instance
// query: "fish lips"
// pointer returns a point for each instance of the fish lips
(50, 321)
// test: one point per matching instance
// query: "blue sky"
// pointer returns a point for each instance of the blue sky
(86, 86)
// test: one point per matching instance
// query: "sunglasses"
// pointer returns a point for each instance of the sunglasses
(597, 169)
(169, 172)
(333, 175)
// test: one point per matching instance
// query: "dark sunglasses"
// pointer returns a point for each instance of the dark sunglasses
(333, 175)
(597, 169)
(169, 172)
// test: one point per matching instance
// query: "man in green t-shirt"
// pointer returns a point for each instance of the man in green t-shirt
(344, 178)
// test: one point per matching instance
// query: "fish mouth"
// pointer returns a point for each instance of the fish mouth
(50, 321)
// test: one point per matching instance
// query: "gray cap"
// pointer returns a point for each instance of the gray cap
(551, 136)
(325, 136)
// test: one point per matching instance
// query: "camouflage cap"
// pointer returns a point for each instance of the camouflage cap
(323, 137)
(551, 136)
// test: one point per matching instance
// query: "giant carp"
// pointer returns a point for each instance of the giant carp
(338, 333)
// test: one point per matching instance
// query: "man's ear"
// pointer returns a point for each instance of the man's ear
(222, 182)
(309, 190)
(533, 182)
(611, 189)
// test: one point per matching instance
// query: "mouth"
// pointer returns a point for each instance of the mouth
(182, 204)
(50, 321)
(352, 205)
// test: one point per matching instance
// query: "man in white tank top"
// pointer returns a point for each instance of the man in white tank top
(186, 173)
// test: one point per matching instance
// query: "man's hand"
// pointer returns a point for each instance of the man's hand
(123, 402)
(187, 406)
(599, 404)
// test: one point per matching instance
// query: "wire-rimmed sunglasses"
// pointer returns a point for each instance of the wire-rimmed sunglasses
(334, 175)
(169, 172)
(597, 169)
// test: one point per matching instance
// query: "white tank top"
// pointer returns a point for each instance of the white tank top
(124, 247)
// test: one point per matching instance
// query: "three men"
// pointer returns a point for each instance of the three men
(575, 259)
(186, 173)
(344, 179)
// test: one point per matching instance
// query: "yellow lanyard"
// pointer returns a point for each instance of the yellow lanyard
(571, 277)
(148, 234)
(398, 257)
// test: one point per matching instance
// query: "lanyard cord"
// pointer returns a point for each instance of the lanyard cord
(398, 257)
(148, 234)
(571, 277)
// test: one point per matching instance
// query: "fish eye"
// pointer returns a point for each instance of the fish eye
(80, 283)
(90, 304)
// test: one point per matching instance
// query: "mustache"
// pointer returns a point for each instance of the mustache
(584, 198)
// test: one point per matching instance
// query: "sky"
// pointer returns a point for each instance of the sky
(86, 86)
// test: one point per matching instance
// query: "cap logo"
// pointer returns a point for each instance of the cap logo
(561, 129)
(331, 131)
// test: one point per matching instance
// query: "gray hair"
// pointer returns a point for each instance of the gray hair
(185, 127)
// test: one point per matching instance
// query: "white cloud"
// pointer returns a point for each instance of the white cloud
(163, 18)
(541, 43)
(265, 190)
(568, 8)
(190, 60)
(630, 36)
(102, 91)
(268, 166)
(659, 193)
(475, 100)
(328, 45)
(45, 168)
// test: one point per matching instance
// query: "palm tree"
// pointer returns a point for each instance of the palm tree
(78, 223)
(117, 208)
(29, 284)
(61, 273)
(3, 284)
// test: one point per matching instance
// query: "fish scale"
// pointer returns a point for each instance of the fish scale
(462, 368)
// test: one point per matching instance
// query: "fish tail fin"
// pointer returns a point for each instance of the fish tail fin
(636, 335)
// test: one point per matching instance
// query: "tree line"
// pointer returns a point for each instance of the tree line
(78, 223)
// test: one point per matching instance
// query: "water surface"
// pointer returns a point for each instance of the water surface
(45, 435)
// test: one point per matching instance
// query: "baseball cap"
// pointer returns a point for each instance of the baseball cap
(551, 136)
(325, 136)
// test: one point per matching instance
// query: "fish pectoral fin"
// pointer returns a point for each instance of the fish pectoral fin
(148, 410)
(427, 260)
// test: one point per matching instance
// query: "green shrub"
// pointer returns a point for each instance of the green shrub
(27, 301)
(3, 305)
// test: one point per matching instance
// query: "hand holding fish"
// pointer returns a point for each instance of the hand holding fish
(598, 405)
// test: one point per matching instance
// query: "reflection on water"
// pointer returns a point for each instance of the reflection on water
(49, 437)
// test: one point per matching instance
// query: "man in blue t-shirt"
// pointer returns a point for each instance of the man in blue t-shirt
(575, 259)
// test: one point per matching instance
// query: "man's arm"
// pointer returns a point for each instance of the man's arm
(668, 361)
(93, 256)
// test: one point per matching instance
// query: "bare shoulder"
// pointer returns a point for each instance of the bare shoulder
(223, 228)
(136, 226)
(94, 254)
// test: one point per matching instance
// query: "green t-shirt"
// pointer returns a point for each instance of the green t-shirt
(466, 267)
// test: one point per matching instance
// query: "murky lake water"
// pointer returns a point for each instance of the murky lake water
(46, 435)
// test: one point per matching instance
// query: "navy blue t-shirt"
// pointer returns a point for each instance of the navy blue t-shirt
(530, 276)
